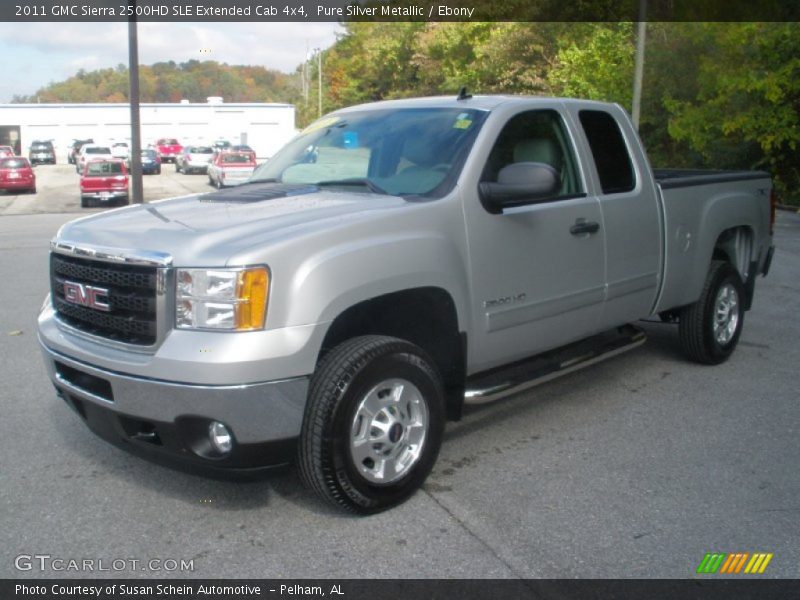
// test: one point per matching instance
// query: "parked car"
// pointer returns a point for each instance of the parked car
(6, 152)
(104, 181)
(151, 162)
(16, 174)
(221, 146)
(91, 152)
(75, 148)
(168, 149)
(436, 252)
(120, 150)
(42, 152)
(194, 159)
(231, 168)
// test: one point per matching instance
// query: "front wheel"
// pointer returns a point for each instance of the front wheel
(373, 424)
(710, 328)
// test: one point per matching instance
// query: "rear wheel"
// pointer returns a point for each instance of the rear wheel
(84, 202)
(709, 329)
(373, 424)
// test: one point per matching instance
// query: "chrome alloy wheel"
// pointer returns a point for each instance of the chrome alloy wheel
(726, 314)
(389, 431)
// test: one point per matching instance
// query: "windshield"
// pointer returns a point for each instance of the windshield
(414, 151)
(13, 163)
(98, 150)
(237, 158)
(104, 168)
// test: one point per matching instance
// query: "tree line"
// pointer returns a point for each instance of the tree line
(715, 95)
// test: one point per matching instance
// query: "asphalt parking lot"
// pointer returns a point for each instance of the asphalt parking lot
(58, 191)
(635, 467)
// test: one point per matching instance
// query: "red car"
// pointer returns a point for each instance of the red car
(104, 181)
(6, 152)
(16, 174)
(168, 149)
(231, 168)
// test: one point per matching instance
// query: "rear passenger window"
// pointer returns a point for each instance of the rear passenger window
(608, 149)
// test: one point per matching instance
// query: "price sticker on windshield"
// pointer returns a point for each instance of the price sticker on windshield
(463, 121)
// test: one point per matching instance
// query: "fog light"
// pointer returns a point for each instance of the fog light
(220, 436)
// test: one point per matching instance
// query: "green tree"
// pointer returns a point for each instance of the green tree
(597, 64)
(745, 113)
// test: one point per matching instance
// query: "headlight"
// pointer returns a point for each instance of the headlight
(226, 299)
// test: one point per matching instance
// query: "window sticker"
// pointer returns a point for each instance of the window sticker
(350, 140)
(463, 121)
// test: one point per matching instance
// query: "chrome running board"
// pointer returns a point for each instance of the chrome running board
(517, 377)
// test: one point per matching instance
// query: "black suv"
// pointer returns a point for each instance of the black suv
(42, 152)
(72, 155)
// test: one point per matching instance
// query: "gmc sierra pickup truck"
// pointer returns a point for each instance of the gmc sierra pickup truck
(391, 263)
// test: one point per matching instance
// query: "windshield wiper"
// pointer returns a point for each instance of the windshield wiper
(267, 180)
(358, 181)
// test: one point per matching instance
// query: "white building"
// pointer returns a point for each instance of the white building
(264, 127)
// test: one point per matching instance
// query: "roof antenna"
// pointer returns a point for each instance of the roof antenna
(463, 95)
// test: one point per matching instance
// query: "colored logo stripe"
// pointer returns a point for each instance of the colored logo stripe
(758, 563)
(711, 563)
(718, 562)
(735, 562)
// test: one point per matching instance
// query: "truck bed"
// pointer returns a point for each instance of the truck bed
(695, 217)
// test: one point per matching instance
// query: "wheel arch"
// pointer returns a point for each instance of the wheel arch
(425, 316)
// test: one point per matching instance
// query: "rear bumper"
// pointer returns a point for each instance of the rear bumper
(104, 195)
(198, 165)
(168, 422)
(18, 184)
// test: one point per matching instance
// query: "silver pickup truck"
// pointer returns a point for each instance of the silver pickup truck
(390, 264)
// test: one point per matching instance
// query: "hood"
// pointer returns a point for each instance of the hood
(208, 229)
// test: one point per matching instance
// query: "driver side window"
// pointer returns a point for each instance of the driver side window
(536, 136)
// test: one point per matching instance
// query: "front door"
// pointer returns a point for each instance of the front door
(538, 270)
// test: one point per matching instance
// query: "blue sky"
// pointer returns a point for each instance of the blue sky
(35, 54)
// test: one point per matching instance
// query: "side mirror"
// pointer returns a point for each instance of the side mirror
(519, 184)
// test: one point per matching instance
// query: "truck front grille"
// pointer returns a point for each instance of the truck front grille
(131, 298)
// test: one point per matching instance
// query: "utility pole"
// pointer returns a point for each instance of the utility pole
(137, 188)
(319, 78)
(639, 65)
(304, 75)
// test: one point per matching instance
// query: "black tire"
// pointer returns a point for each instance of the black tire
(696, 325)
(341, 381)
(158, 171)
(84, 202)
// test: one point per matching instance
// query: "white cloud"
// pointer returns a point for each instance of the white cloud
(39, 53)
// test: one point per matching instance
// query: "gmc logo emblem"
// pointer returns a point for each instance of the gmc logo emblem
(86, 295)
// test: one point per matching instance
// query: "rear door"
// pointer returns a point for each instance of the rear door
(623, 182)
